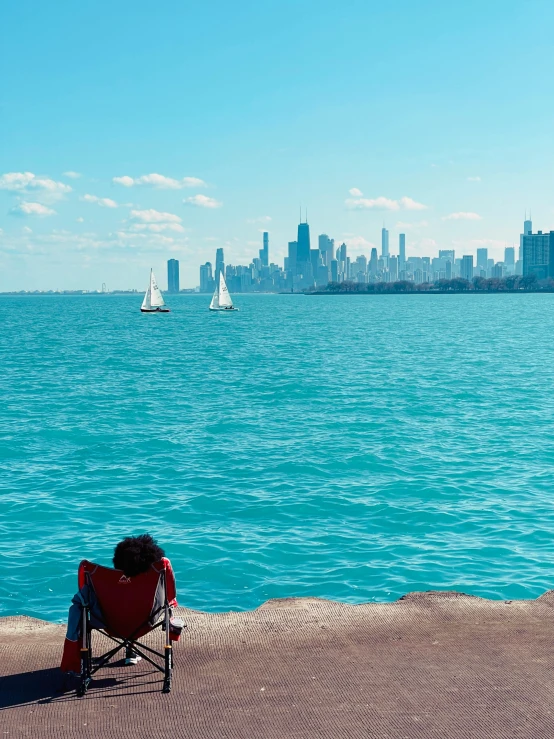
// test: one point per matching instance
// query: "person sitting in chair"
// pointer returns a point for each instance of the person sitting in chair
(133, 556)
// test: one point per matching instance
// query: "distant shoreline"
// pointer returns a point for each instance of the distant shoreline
(286, 292)
(430, 292)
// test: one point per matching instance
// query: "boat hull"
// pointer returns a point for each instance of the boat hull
(154, 310)
(224, 310)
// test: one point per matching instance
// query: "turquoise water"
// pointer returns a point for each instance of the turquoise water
(354, 448)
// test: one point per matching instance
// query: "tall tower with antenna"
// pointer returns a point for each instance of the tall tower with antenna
(527, 224)
(527, 229)
(303, 249)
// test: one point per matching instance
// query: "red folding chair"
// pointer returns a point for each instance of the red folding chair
(130, 608)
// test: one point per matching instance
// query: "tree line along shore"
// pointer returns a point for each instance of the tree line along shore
(511, 284)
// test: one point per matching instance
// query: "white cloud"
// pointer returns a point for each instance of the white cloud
(164, 240)
(474, 179)
(260, 219)
(426, 243)
(72, 175)
(356, 243)
(154, 216)
(410, 204)
(32, 209)
(27, 181)
(91, 245)
(47, 184)
(80, 219)
(103, 202)
(125, 181)
(158, 227)
(382, 203)
(462, 216)
(15, 180)
(355, 192)
(148, 241)
(159, 181)
(27, 230)
(203, 201)
(401, 225)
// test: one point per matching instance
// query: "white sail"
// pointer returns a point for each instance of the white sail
(224, 297)
(146, 302)
(156, 297)
(214, 305)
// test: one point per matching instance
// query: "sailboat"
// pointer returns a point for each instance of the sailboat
(153, 299)
(221, 299)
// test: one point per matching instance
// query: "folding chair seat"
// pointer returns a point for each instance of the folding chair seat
(124, 610)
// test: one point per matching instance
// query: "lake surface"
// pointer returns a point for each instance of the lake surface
(350, 447)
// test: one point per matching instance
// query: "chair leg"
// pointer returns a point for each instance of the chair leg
(168, 669)
(89, 644)
(86, 667)
(168, 661)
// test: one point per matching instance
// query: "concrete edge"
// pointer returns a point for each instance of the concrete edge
(21, 624)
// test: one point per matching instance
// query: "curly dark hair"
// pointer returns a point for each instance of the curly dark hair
(136, 554)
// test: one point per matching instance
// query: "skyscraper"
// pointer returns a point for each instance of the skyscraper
(393, 268)
(341, 253)
(264, 251)
(322, 277)
(304, 270)
(219, 264)
(538, 254)
(510, 259)
(293, 249)
(373, 259)
(173, 276)
(342, 260)
(482, 258)
(326, 249)
(315, 261)
(361, 263)
(527, 229)
(384, 242)
(206, 277)
(303, 241)
(467, 267)
(401, 252)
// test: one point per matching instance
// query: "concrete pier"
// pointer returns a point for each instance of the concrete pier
(429, 665)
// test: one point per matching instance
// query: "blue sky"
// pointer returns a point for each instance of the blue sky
(434, 118)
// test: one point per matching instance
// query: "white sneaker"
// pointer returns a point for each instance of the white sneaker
(134, 660)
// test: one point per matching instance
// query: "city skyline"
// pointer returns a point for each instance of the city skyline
(305, 268)
(323, 260)
(183, 137)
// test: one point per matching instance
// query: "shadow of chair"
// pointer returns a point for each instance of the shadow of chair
(38, 686)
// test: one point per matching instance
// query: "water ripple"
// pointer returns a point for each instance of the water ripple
(349, 448)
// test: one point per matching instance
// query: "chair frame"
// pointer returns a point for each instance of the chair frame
(87, 667)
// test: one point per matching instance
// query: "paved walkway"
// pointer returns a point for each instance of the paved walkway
(430, 665)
